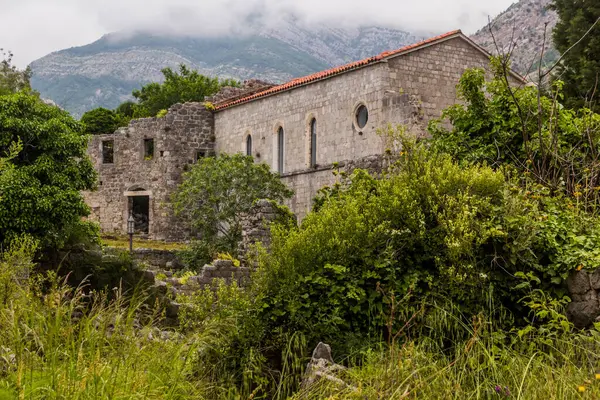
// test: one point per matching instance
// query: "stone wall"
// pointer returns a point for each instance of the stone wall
(157, 258)
(256, 227)
(332, 102)
(307, 183)
(584, 289)
(184, 134)
(430, 75)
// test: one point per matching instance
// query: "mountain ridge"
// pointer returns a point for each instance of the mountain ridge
(104, 73)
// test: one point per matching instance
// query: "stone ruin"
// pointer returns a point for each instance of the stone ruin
(230, 93)
(256, 227)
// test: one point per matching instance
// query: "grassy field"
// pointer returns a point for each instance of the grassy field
(123, 243)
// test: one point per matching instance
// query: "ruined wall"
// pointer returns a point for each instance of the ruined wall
(307, 183)
(179, 138)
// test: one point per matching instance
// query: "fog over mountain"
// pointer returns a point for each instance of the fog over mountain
(34, 28)
(273, 40)
(105, 72)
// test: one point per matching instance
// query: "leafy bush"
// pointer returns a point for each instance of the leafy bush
(520, 127)
(216, 193)
(178, 87)
(429, 229)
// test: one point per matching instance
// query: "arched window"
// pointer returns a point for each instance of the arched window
(249, 145)
(313, 143)
(280, 150)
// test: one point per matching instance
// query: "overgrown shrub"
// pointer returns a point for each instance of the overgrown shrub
(430, 229)
(526, 129)
(215, 195)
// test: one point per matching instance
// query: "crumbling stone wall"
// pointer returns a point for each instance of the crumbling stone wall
(256, 227)
(230, 93)
(584, 289)
(185, 133)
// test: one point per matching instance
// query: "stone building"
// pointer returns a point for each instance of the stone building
(300, 128)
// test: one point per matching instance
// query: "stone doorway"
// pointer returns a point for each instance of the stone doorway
(139, 208)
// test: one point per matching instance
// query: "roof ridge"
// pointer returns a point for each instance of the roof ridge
(336, 70)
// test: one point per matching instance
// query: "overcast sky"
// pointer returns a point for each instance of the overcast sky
(34, 28)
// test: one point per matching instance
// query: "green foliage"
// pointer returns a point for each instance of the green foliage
(12, 80)
(179, 87)
(162, 113)
(100, 120)
(126, 109)
(58, 342)
(429, 229)
(40, 185)
(216, 193)
(546, 142)
(580, 65)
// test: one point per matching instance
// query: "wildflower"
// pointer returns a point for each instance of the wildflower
(577, 194)
(579, 268)
(581, 389)
(597, 376)
(498, 389)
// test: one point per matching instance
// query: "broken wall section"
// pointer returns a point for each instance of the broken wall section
(148, 159)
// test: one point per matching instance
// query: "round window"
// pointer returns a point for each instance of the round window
(362, 116)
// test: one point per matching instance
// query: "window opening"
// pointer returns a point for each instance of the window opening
(362, 116)
(313, 143)
(249, 145)
(148, 149)
(280, 150)
(108, 151)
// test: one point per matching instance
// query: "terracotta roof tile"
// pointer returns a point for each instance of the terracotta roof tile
(334, 71)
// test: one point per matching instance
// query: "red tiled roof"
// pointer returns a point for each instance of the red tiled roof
(334, 71)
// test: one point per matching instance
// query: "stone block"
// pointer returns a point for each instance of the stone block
(579, 283)
(583, 314)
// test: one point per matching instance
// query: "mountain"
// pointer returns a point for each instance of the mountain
(103, 73)
(524, 22)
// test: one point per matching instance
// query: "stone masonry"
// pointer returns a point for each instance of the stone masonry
(584, 289)
(179, 138)
(256, 228)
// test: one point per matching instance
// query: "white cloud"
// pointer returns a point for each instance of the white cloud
(33, 28)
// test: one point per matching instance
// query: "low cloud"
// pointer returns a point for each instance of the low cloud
(33, 28)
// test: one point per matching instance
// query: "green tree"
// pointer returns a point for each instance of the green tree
(580, 69)
(217, 191)
(41, 182)
(100, 120)
(11, 78)
(518, 127)
(185, 86)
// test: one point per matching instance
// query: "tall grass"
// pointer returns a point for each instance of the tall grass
(59, 342)
(490, 364)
